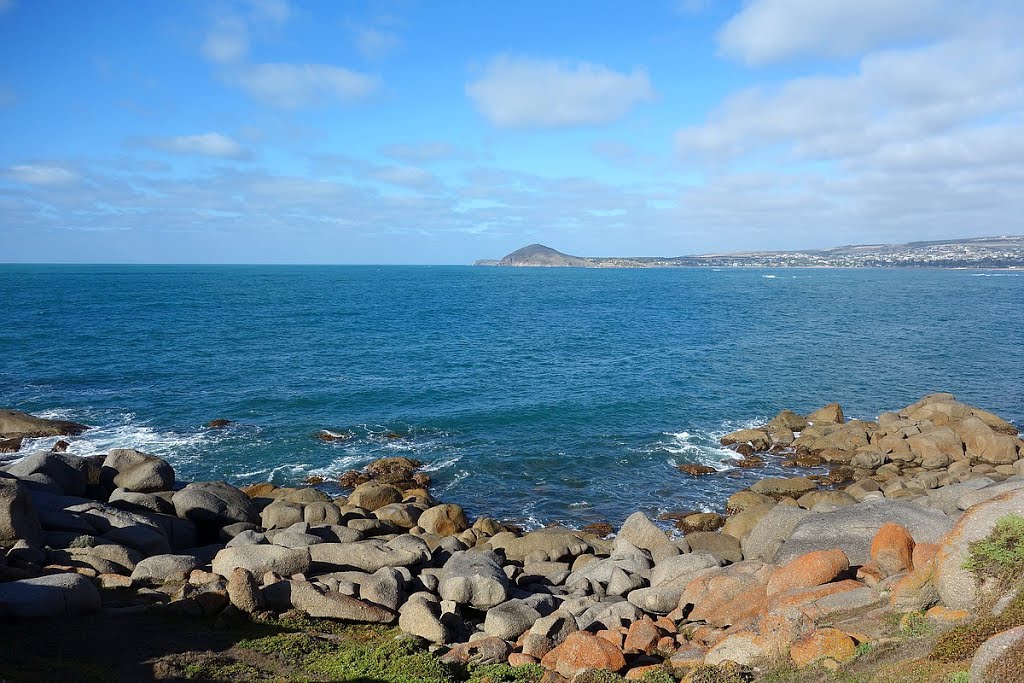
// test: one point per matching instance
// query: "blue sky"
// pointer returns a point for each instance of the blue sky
(405, 131)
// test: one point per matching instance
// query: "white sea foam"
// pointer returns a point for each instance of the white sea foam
(442, 464)
(769, 277)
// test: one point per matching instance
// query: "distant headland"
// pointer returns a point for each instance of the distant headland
(977, 252)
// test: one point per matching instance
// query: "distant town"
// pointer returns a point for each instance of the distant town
(981, 252)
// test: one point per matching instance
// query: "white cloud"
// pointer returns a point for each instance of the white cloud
(405, 176)
(425, 152)
(227, 41)
(375, 44)
(41, 174)
(770, 30)
(294, 86)
(204, 144)
(518, 92)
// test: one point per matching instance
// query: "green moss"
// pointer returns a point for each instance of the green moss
(503, 673)
(1000, 555)
(387, 661)
(291, 648)
(961, 642)
(959, 677)
(230, 671)
(598, 676)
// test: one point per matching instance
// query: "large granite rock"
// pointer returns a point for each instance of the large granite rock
(260, 559)
(214, 502)
(956, 585)
(132, 470)
(14, 423)
(475, 579)
(852, 528)
(18, 518)
(55, 595)
(68, 472)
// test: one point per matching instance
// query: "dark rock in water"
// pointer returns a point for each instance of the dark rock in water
(15, 423)
(696, 470)
(11, 445)
(60, 447)
(313, 480)
(744, 449)
(328, 435)
(395, 471)
(219, 423)
(752, 461)
(602, 529)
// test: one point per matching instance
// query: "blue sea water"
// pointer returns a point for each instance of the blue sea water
(534, 395)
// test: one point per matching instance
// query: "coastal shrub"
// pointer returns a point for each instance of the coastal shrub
(292, 648)
(400, 660)
(959, 677)
(224, 671)
(1000, 555)
(503, 673)
(722, 673)
(961, 642)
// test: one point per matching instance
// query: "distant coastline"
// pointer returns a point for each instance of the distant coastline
(991, 253)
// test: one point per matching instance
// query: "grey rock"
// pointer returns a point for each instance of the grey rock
(319, 513)
(247, 538)
(164, 568)
(244, 592)
(556, 544)
(475, 579)
(18, 518)
(132, 500)
(333, 605)
(369, 555)
(423, 618)
(294, 539)
(641, 532)
(214, 502)
(657, 600)
(133, 470)
(768, 535)
(281, 514)
(612, 613)
(231, 530)
(722, 547)
(980, 495)
(677, 571)
(851, 529)
(54, 595)
(260, 559)
(622, 583)
(69, 472)
(510, 619)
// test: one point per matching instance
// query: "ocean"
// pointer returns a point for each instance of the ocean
(532, 395)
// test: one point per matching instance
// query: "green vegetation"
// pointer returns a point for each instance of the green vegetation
(959, 677)
(503, 673)
(1000, 555)
(961, 642)
(723, 673)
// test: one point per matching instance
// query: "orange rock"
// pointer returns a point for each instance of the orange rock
(666, 644)
(893, 549)
(665, 624)
(638, 672)
(828, 643)
(915, 591)
(612, 636)
(944, 614)
(809, 570)
(519, 659)
(582, 651)
(871, 574)
(924, 553)
(642, 637)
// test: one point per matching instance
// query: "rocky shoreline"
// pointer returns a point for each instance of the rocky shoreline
(805, 570)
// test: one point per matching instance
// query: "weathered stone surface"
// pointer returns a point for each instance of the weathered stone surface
(642, 637)
(145, 502)
(68, 472)
(315, 602)
(444, 520)
(657, 599)
(780, 487)
(373, 495)
(14, 423)
(893, 549)
(984, 667)
(370, 555)
(678, 570)
(244, 592)
(582, 651)
(214, 502)
(281, 514)
(722, 547)
(260, 559)
(133, 470)
(164, 568)
(745, 500)
(807, 571)
(554, 542)
(829, 414)
(852, 528)
(769, 533)
(402, 515)
(509, 620)
(985, 444)
(956, 585)
(54, 595)
(787, 419)
(937, 447)
(422, 618)
(474, 578)
(701, 521)
(641, 532)
(758, 438)
(742, 523)
(18, 518)
(480, 652)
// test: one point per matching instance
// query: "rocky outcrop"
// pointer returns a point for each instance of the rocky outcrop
(15, 424)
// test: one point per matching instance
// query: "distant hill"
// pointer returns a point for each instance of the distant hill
(537, 255)
(975, 252)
